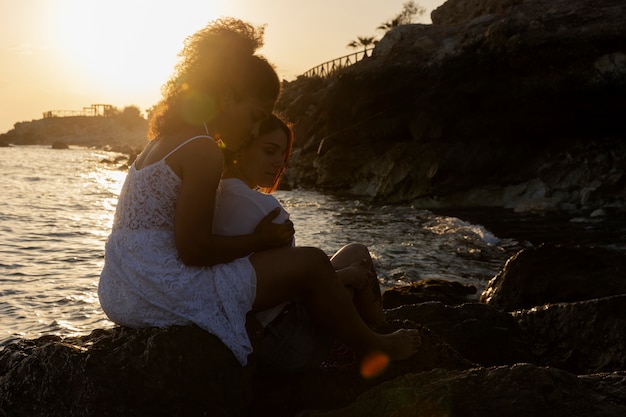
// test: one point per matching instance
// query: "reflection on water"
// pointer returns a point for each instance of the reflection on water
(57, 208)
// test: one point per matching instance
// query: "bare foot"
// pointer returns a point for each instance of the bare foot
(401, 344)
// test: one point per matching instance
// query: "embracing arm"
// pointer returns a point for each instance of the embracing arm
(355, 276)
(199, 165)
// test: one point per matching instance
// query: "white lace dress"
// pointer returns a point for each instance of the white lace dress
(144, 283)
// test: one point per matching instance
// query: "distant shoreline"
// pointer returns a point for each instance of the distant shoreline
(117, 134)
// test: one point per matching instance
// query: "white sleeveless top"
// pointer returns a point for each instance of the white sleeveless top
(144, 283)
(238, 211)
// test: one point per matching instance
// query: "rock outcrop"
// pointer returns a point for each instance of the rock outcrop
(552, 358)
(119, 133)
(554, 274)
(515, 391)
(180, 371)
(57, 144)
(123, 372)
(509, 103)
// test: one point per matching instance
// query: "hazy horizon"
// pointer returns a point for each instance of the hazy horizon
(69, 54)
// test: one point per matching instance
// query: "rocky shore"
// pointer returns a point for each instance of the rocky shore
(548, 337)
(122, 132)
(507, 104)
(500, 103)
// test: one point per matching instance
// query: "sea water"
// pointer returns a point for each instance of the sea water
(57, 207)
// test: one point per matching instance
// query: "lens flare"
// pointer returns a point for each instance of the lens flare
(374, 364)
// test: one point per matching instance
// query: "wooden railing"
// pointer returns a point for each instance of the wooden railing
(328, 68)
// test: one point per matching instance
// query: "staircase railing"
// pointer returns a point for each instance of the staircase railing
(329, 67)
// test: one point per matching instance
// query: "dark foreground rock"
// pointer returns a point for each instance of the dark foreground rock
(582, 337)
(558, 359)
(521, 390)
(123, 372)
(556, 273)
(479, 332)
(181, 371)
(448, 292)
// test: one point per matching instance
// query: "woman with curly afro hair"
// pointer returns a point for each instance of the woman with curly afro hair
(164, 265)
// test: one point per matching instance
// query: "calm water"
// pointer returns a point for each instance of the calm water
(56, 209)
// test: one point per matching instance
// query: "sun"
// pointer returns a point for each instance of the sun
(126, 44)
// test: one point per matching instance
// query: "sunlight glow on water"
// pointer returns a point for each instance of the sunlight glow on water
(57, 209)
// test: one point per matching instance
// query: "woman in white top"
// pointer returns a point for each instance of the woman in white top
(250, 176)
(164, 265)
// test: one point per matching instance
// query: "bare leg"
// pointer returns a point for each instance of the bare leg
(367, 299)
(286, 273)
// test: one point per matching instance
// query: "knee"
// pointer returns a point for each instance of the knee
(316, 256)
(356, 249)
(317, 262)
(361, 249)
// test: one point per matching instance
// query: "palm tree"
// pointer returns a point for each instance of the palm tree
(410, 9)
(364, 42)
(387, 26)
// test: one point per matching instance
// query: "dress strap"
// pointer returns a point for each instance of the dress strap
(186, 142)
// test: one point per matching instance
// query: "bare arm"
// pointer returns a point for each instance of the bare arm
(199, 165)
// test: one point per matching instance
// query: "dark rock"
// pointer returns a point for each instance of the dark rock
(521, 390)
(181, 371)
(455, 12)
(612, 384)
(57, 144)
(111, 132)
(177, 371)
(515, 103)
(184, 371)
(582, 338)
(552, 274)
(339, 382)
(448, 292)
(479, 332)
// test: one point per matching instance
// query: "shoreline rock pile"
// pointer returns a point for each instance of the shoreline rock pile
(524, 349)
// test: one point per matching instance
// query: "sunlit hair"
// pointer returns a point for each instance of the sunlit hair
(274, 122)
(216, 60)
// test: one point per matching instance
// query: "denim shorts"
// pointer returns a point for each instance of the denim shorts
(292, 343)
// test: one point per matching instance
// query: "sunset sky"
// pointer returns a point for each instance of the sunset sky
(68, 54)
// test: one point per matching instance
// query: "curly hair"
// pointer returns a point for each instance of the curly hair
(218, 58)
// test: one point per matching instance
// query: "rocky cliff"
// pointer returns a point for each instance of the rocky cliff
(505, 103)
(510, 103)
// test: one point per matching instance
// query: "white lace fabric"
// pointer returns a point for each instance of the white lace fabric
(144, 283)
